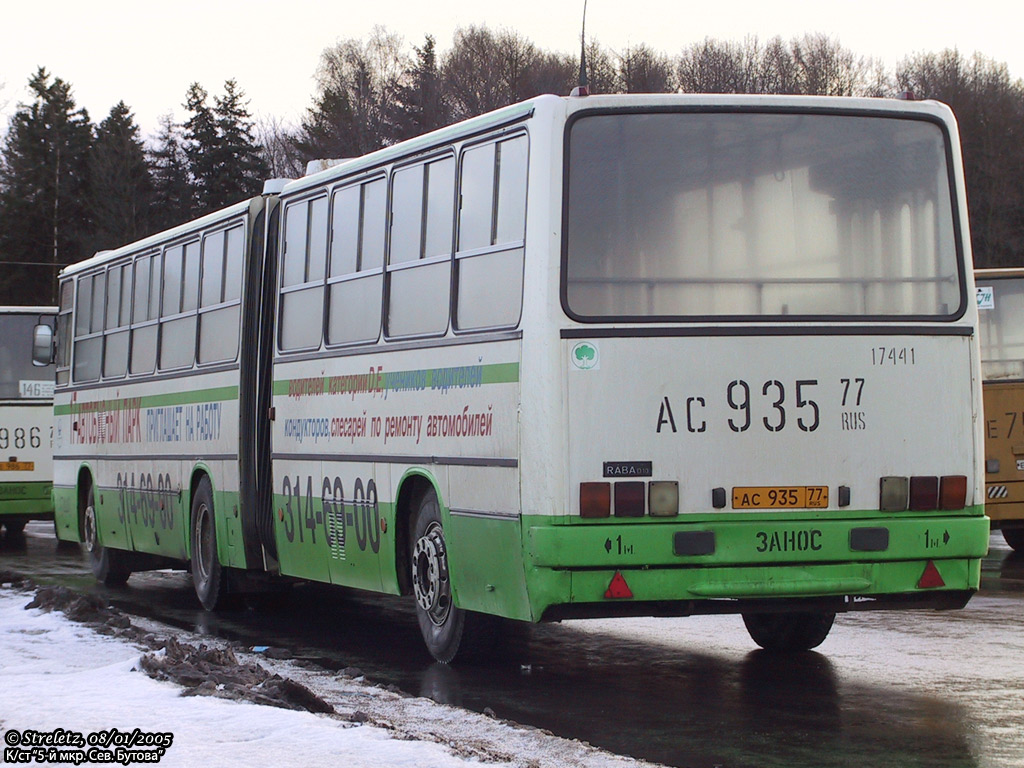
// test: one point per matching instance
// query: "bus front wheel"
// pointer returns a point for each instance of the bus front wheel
(788, 631)
(109, 566)
(207, 574)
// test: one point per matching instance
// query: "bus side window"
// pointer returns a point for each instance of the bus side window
(88, 351)
(145, 308)
(115, 341)
(419, 268)
(303, 264)
(64, 331)
(180, 293)
(492, 223)
(356, 277)
(220, 290)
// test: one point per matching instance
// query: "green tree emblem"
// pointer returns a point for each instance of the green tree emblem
(584, 355)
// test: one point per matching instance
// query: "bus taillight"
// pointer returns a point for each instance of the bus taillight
(923, 493)
(953, 492)
(663, 499)
(659, 498)
(894, 493)
(595, 499)
(629, 499)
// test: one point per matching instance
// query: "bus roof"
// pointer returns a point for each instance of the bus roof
(483, 122)
(570, 104)
(103, 257)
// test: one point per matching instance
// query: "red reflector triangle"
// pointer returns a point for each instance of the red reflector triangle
(618, 588)
(930, 578)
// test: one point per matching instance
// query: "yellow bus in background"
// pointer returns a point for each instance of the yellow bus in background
(1001, 313)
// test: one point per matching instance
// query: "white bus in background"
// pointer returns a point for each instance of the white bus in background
(26, 421)
(1001, 315)
(604, 356)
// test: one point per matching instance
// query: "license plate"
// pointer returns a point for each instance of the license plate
(781, 497)
(17, 466)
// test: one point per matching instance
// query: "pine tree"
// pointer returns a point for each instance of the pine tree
(243, 169)
(420, 105)
(122, 190)
(224, 160)
(173, 198)
(202, 149)
(327, 131)
(45, 220)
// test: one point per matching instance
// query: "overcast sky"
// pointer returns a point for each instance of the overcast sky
(147, 53)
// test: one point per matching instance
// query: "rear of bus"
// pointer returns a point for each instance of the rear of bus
(1001, 314)
(770, 364)
(26, 421)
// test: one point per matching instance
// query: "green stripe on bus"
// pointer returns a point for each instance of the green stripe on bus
(212, 395)
(458, 377)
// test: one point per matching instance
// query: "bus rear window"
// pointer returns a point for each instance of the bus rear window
(686, 215)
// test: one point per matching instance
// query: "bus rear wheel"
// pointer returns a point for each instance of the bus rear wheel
(109, 566)
(14, 526)
(208, 577)
(788, 631)
(448, 631)
(1014, 537)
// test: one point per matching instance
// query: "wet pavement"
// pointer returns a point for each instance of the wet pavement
(916, 688)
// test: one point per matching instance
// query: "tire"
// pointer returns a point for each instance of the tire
(110, 566)
(1015, 538)
(788, 632)
(14, 526)
(208, 576)
(448, 631)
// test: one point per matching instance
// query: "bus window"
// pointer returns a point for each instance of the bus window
(63, 350)
(820, 216)
(492, 220)
(177, 309)
(419, 270)
(115, 341)
(357, 257)
(219, 306)
(145, 311)
(89, 328)
(302, 274)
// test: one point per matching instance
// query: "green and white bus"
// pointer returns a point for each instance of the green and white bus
(578, 357)
(26, 421)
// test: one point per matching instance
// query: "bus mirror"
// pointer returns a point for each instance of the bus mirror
(42, 345)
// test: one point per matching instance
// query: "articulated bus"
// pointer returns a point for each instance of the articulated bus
(1001, 314)
(26, 421)
(579, 357)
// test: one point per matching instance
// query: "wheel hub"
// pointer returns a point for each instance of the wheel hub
(91, 539)
(430, 575)
(204, 552)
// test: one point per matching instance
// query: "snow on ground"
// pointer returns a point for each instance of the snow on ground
(59, 674)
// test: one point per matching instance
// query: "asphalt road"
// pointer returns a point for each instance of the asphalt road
(915, 688)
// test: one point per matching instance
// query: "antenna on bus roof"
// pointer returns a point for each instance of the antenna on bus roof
(583, 89)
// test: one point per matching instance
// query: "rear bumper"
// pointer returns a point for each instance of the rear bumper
(735, 566)
(26, 500)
